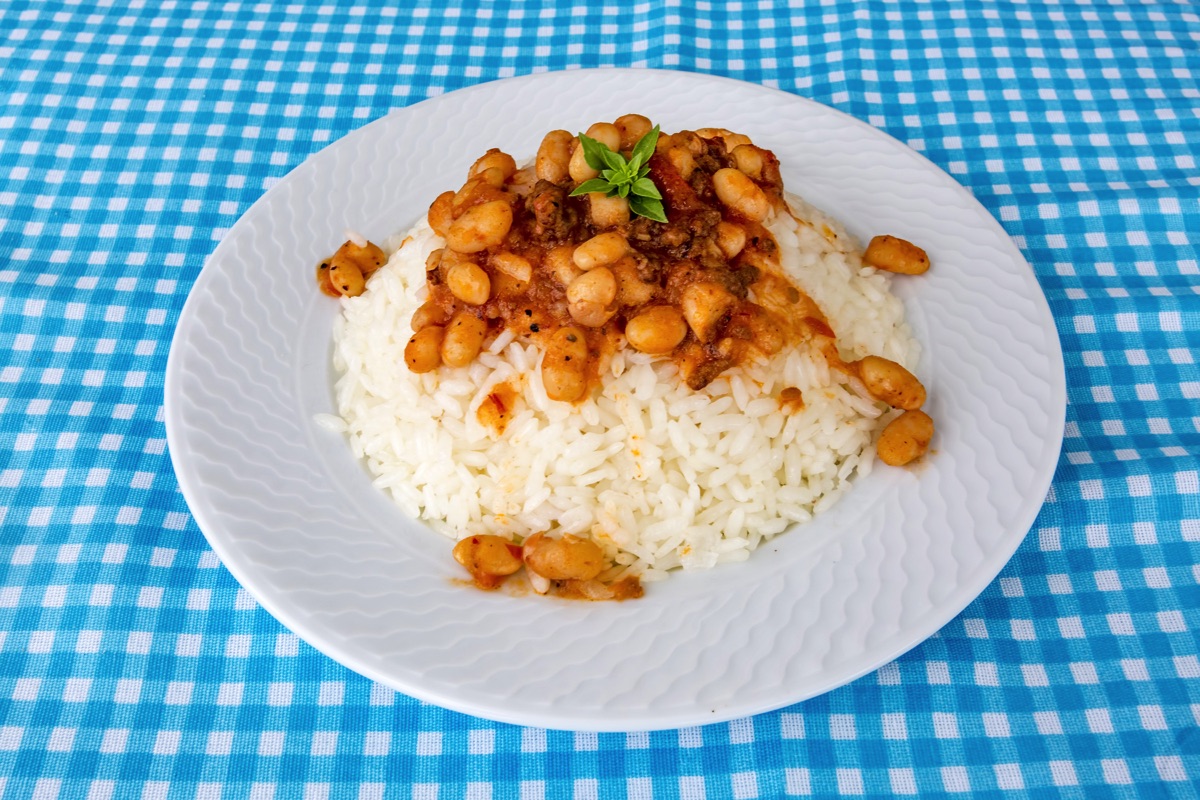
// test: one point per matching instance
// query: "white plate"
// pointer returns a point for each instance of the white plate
(295, 519)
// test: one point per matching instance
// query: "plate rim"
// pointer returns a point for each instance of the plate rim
(946, 610)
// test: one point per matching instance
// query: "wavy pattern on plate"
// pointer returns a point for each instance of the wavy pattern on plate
(297, 521)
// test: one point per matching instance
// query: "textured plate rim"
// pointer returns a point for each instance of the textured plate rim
(947, 609)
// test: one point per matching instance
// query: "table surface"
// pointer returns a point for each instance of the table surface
(132, 135)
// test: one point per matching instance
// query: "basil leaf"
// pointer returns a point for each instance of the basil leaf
(646, 207)
(594, 185)
(644, 187)
(593, 152)
(613, 160)
(611, 175)
(645, 147)
(623, 190)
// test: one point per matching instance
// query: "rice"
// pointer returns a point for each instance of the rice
(659, 475)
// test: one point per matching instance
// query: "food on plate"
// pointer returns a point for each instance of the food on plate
(893, 254)
(905, 438)
(633, 354)
(345, 273)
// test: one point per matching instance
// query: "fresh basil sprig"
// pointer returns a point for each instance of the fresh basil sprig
(624, 178)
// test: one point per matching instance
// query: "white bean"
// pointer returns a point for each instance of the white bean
(596, 286)
(564, 366)
(703, 305)
(731, 238)
(463, 339)
(554, 157)
(608, 212)
(741, 195)
(604, 132)
(494, 159)
(601, 250)
(480, 227)
(559, 260)
(894, 254)
(513, 265)
(441, 213)
(632, 127)
(423, 351)
(748, 159)
(893, 384)
(469, 283)
(656, 330)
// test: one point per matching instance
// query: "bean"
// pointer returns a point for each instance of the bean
(441, 213)
(607, 134)
(608, 212)
(554, 157)
(905, 438)
(593, 315)
(494, 159)
(469, 283)
(632, 291)
(690, 141)
(563, 559)
(368, 257)
(504, 285)
(682, 159)
(346, 277)
(600, 250)
(488, 558)
(597, 286)
(734, 141)
(604, 132)
(492, 176)
(632, 127)
(481, 188)
(704, 304)
(894, 254)
(446, 262)
(474, 192)
(741, 195)
(423, 351)
(463, 339)
(893, 384)
(323, 282)
(579, 169)
(731, 139)
(481, 227)
(590, 297)
(564, 366)
(559, 260)
(731, 238)
(513, 266)
(748, 159)
(428, 314)
(656, 330)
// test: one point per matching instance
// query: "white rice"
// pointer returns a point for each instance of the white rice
(659, 475)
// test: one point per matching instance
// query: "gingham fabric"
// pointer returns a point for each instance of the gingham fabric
(132, 135)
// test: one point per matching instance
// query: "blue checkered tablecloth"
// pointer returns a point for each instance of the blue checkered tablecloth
(133, 134)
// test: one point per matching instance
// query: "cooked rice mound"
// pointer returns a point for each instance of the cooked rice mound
(659, 475)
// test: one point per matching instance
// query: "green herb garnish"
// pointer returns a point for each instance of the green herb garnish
(624, 178)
